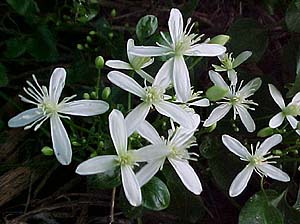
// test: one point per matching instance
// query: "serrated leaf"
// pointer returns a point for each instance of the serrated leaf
(24, 7)
(146, 26)
(15, 47)
(292, 17)
(3, 76)
(156, 195)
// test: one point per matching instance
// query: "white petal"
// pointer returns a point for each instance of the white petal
(150, 152)
(232, 76)
(26, 117)
(208, 50)
(60, 140)
(57, 83)
(85, 107)
(241, 58)
(148, 51)
(246, 118)
(250, 88)
(200, 103)
(181, 136)
(147, 131)
(118, 131)
(187, 175)
(296, 99)
(235, 147)
(130, 44)
(175, 25)
(98, 164)
(217, 114)
(136, 117)
(117, 64)
(148, 171)
(276, 120)
(217, 79)
(276, 96)
(125, 82)
(292, 120)
(145, 75)
(274, 172)
(175, 112)
(164, 76)
(131, 186)
(268, 144)
(240, 181)
(181, 80)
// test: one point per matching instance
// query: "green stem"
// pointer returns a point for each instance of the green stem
(195, 63)
(79, 127)
(98, 83)
(139, 220)
(262, 187)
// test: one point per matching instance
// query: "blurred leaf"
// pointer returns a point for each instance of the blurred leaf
(216, 93)
(292, 16)
(104, 180)
(259, 210)
(209, 147)
(24, 7)
(248, 35)
(3, 76)
(15, 47)
(129, 210)
(156, 195)
(146, 26)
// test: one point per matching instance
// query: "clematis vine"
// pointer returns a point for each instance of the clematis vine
(182, 43)
(47, 106)
(257, 161)
(136, 63)
(235, 98)
(290, 112)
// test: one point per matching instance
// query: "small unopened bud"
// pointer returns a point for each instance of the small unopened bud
(93, 154)
(265, 132)
(47, 151)
(101, 144)
(113, 12)
(75, 143)
(99, 62)
(93, 95)
(277, 152)
(211, 128)
(92, 32)
(106, 93)
(86, 96)
(86, 45)
(89, 39)
(111, 35)
(220, 39)
(79, 47)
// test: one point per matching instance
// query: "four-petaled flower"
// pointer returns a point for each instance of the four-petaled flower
(47, 106)
(257, 162)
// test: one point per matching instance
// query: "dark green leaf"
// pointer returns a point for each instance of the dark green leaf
(292, 16)
(156, 195)
(3, 76)
(146, 26)
(24, 7)
(15, 47)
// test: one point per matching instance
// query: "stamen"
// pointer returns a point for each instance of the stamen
(33, 96)
(36, 91)
(37, 83)
(24, 99)
(39, 124)
(165, 39)
(32, 124)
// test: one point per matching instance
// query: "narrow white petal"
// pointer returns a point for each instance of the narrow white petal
(85, 107)
(61, 143)
(208, 50)
(217, 114)
(175, 25)
(136, 117)
(235, 147)
(175, 112)
(250, 88)
(268, 144)
(97, 164)
(276, 96)
(217, 79)
(145, 75)
(164, 76)
(148, 51)
(181, 79)
(240, 181)
(117, 64)
(151, 152)
(292, 120)
(274, 172)
(131, 186)
(246, 118)
(187, 175)
(296, 99)
(130, 44)
(118, 131)
(26, 117)
(181, 136)
(57, 83)
(125, 82)
(147, 131)
(232, 76)
(148, 171)
(276, 120)
(200, 103)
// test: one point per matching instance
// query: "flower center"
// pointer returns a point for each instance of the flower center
(153, 95)
(227, 61)
(49, 107)
(235, 100)
(256, 160)
(126, 159)
(292, 109)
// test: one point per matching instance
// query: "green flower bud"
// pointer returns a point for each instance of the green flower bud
(79, 47)
(99, 62)
(277, 152)
(92, 32)
(265, 132)
(106, 93)
(86, 45)
(111, 35)
(86, 96)
(210, 128)
(93, 154)
(101, 144)
(113, 12)
(89, 39)
(75, 143)
(93, 95)
(47, 151)
(220, 39)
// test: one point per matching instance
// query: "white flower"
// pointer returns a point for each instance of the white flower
(236, 99)
(183, 42)
(257, 162)
(47, 106)
(151, 96)
(136, 63)
(175, 149)
(289, 112)
(125, 159)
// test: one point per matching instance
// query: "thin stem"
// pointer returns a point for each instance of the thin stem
(98, 83)
(262, 187)
(112, 207)
(139, 220)
(195, 62)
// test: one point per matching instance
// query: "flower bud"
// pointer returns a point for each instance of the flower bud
(75, 143)
(93, 95)
(92, 32)
(47, 151)
(86, 96)
(265, 132)
(89, 39)
(277, 152)
(86, 45)
(93, 154)
(79, 47)
(220, 39)
(106, 93)
(210, 128)
(99, 62)
(113, 12)
(111, 35)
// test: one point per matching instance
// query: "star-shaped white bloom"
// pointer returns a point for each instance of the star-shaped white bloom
(136, 63)
(47, 106)
(289, 112)
(176, 151)
(236, 99)
(257, 162)
(125, 159)
(152, 96)
(183, 43)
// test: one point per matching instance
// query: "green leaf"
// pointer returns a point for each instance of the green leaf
(146, 26)
(15, 47)
(104, 180)
(248, 35)
(156, 195)
(3, 76)
(216, 93)
(24, 7)
(241, 58)
(292, 16)
(259, 210)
